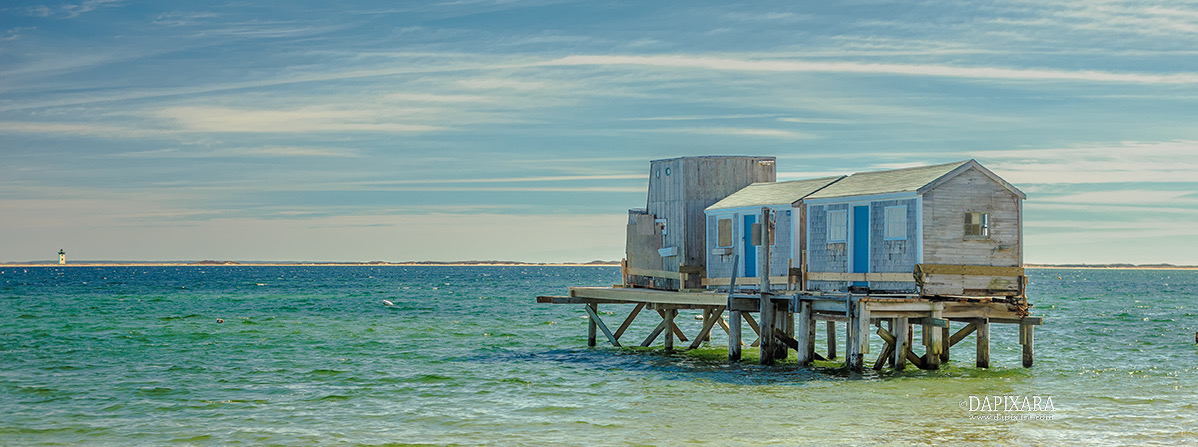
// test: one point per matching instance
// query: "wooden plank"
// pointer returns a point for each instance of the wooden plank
(840, 276)
(728, 281)
(968, 270)
(628, 321)
(983, 338)
(655, 273)
(592, 311)
(887, 354)
(650, 296)
(854, 360)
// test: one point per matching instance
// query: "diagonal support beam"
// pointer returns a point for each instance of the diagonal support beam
(716, 315)
(628, 321)
(677, 331)
(911, 357)
(599, 321)
(961, 334)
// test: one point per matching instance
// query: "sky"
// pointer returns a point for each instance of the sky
(522, 130)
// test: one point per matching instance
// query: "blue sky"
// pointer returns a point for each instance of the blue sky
(300, 130)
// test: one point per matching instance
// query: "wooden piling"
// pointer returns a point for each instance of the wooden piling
(901, 330)
(855, 357)
(670, 328)
(831, 339)
(592, 325)
(944, 337)
(1027, 340)
(933, 340)
(983, 337)
(734, 335)
(803, 330)
(768, 321)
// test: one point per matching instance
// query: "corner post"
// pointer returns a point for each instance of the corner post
(670, 328)
(933, 340)
(831, 339)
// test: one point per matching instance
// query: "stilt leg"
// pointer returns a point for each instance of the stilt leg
(670, 314)
(944, 337)
(1027, 340)
(983, 336)
(901, 330)
(803, 326)
(831, 339)
(592, 326)
(734, 335)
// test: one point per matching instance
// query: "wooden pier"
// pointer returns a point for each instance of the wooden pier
(793, 319)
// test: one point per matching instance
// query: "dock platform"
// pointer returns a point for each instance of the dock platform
(792, 317)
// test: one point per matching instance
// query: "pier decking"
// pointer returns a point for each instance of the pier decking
(793, 319)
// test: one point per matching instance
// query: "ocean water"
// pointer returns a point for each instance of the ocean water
(312, 356)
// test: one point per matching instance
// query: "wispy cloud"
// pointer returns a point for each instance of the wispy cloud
(733, 131)
(300, 120)
(796, 66)
(236, 152)
(70, 10)
(1131, 161)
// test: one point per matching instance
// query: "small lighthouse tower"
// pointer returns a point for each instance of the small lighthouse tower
(62, 257)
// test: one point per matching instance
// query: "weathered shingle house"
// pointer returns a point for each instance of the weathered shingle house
(957, 214)
(730, 222)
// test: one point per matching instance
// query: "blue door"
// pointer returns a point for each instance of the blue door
(750, 256)
(860, 241)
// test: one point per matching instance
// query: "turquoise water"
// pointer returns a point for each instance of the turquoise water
(312, 356)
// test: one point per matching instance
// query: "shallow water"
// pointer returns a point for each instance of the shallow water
(312, 355)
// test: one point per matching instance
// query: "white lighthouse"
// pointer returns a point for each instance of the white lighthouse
(62, 257)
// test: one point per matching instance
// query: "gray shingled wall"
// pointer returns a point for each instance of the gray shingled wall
(892, 256)
(822, 256)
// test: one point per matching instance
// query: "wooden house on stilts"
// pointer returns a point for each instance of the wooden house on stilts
(899, 250)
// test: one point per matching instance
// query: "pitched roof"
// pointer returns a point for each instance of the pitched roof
(895, 180)
(773, 193)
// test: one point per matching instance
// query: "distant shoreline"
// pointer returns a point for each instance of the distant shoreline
(313, 264)
(491, 263)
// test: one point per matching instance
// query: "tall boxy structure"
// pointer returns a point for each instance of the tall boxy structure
(669, 234)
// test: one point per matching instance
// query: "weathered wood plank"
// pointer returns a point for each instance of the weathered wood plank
(676, 331)
(804, 325)
(650, 296)
(654, 334)
(655, 273)
(670, 328)
(840, 276)
(728, 281)
(968, 270)
(890, 339)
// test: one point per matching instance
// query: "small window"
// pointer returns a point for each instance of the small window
(977, 225)
(724, 231)
(896, 223)
(838, 226)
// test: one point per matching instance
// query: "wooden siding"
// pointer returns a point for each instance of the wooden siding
(693, 184)
(720, 266)
(944, 209)
(943, 223)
